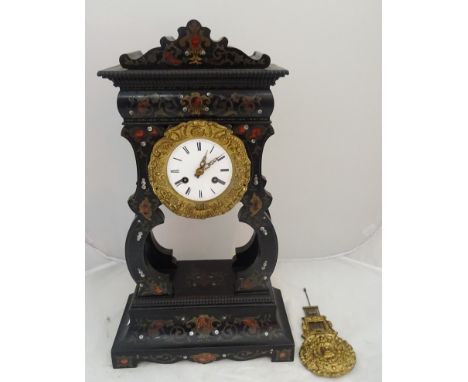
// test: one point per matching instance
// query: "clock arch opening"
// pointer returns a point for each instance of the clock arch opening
(209, 239)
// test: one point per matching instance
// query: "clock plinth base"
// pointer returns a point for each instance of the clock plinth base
(203, 332)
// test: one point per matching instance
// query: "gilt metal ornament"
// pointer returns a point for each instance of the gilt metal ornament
(216, 133)
(323, 352)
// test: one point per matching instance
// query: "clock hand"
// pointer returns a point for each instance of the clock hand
(182, 180)
(203, 162)
(201, 169)
(217, 180)
(210, 163)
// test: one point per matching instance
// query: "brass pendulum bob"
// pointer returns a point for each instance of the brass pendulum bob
(323, 352)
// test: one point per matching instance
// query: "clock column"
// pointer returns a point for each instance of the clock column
(255, 261)
(151, 265)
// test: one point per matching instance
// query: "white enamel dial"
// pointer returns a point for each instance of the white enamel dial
(199, 169)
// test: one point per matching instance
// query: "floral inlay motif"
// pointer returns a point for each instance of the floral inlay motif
(251, 323)
(204, 324)
(255, 204)
(195, 103)
(204, 357)
(193, 47)
(154, 105)
(145, 208)
(198, 328)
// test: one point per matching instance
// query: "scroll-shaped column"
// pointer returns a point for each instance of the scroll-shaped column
(255, 262)
(150, 264)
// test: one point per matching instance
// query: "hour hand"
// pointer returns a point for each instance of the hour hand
(201, 169)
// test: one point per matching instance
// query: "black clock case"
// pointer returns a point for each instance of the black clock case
(199, 310)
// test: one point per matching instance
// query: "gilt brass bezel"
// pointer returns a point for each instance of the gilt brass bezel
(173, 137)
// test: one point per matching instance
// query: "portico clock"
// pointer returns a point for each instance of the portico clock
(197, 114)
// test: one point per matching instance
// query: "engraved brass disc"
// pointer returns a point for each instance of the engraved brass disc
(173, 137)
(327, 355)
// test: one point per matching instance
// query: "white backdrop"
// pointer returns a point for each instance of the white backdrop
(323, 165)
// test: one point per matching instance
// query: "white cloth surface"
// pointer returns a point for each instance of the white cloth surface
(346, 291)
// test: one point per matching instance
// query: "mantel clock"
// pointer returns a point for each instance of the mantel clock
(197, 114)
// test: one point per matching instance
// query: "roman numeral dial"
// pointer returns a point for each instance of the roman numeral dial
(199, 169)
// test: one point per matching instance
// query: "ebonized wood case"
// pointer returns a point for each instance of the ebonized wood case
(199, 310)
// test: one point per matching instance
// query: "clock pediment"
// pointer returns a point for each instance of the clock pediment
(193, 48)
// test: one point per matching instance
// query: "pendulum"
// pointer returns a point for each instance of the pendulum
(323, 352)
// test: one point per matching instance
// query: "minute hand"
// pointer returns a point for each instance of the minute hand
(211, 162)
